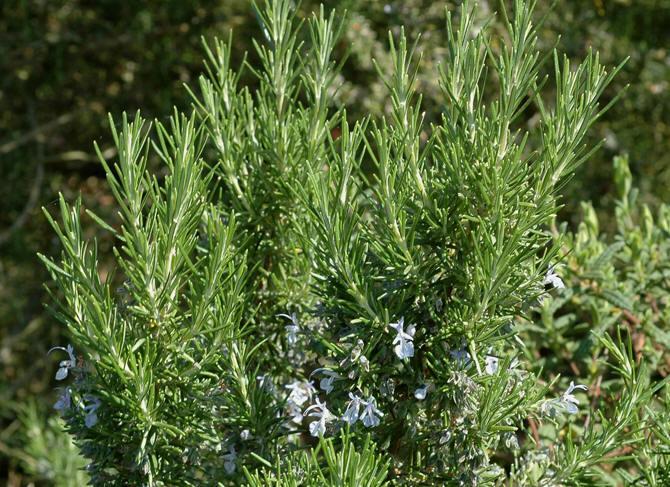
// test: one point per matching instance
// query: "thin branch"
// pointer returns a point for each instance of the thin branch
(33, 198)
(37, 132)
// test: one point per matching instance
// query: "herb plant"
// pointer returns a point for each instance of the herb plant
(304, 299)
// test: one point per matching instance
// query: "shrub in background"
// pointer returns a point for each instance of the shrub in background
(618, 281)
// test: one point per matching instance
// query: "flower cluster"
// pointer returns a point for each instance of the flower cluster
(323, 415)
(370, 417)
(230, 460)
(566, 402)
(87, 403)
(301, 393)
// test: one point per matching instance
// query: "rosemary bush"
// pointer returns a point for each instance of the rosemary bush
(304, 299)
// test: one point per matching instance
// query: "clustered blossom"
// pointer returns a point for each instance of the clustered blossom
(65, 365)
(91, 418)
(460, 356)
(89, 403)
(320, 411)
(404, 340)
(511, 441)
(301, 392)
(229, 460)
(64, 402)
(356, 357)
(567, 401)
(370, 416)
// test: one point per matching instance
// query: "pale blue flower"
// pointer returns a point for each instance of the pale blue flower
(421, 393)
(404, 340)
(365, 363)
(91, 418)
(491, 364)
(301, 392)
(64, 401)
(229, 460)
(294, 412)
(326, 383)
(551, 278)
(460, 356)
(65, 365)
(293, 329)
(353, 409)
(370, 415)
(568, 399)
(323, 415)
(356, 356)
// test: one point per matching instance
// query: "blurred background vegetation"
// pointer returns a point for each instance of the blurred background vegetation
(66, 63)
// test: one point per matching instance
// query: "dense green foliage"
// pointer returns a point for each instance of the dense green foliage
(395, 228)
